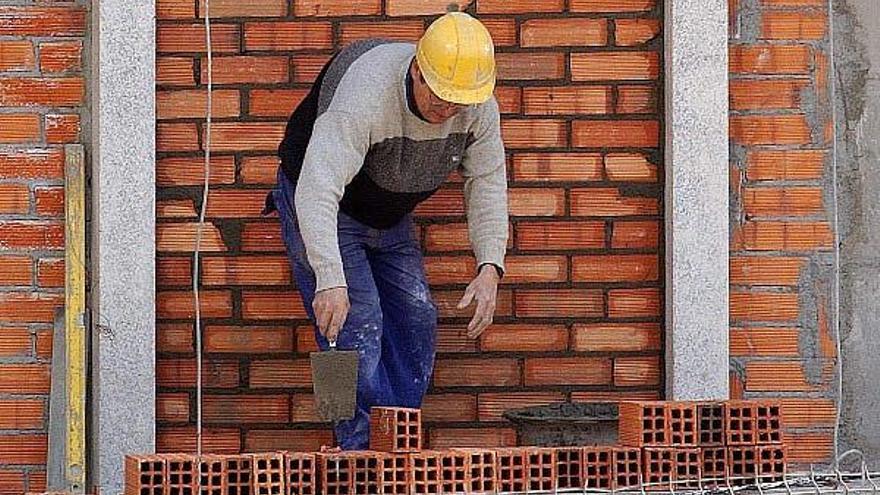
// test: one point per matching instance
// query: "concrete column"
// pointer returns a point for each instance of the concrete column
(697, 222)
(123, 189)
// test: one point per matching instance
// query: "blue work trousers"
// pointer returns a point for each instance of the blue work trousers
(392, 322)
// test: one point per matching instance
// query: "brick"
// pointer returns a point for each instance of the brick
(785, 165)
(261, 305)
(396, 8)
(425, 472)
(772, 465)
(557, 167)
(563, 32)
(769, 59)
(21, 414)
(763, 306)
(777, 376)
(24, 378)
(518, 6)
(770, 129)
(570, 468)
(179, 304)
(741, 465)
(641, 371)
(635, 235)
(447, 237)
(62, 128)
(503, 31)
(713, 462)
(51, 92)
(213, 474)
(175, 9)
(249, 270)
(177, 373)
(554, 303)
(534, 202)
(524, 338)
(444, 438)
(192, 103)
(598, 471)
(567, 100)
(174, 337)
(50, 273)
(494, 372)
(643, 424)
(43, 345)
(253, 8)
(300, 473)
(395, 474)
(611, 5)
(603, 202)
(637, 99)
(242, 409)
(398, 30)
(541, 472)
(530, 66)
(251, 339)
(280, 373)
(176, 208)
(190, 38)
(287, 36)
(333, 8)
(181, 237)
(782, 201)
(395, 429)
(14, 342)
(454, 339)
(293, 440)
(560, 235)
(177, 137)
(512, 466)
(626, 467)
(145, 474)
(616, 337)
(259, 169)
(633, 32)
(14, 199)
(630, 167)
(534, 269)
(534, 133)
(491, 406)
(246, 136)
(769, 425)
(632, 303)
(447, 300)
(18, 128)
(247, 69)
(29, 234)
(567, 371)
(303, 409)
(33, 163)
(509, 99)
(172, 407)
(449, 407)
(182, 473)
(765, 270)
(60, 56)
(29, 307)
(445, 202)
(450, 270)
(16, 55)
(764, 342)
(182, 171)
(12, 481)
(615, 66)
(616, 268)
(810, 447)
(42, 21)
(615, 134)
(793, 25)
(307, 67)
(748, 94)
(274, 102)
(786, 236)
(183, 439)
(175, 71)
(658, 468)
(800, 412)
(793, 3)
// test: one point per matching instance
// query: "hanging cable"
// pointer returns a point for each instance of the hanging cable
(199, 228)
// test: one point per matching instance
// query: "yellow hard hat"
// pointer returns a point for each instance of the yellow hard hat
(457, 59)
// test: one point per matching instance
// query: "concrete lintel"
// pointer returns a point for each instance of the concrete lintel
(697, 250)
(123, 190)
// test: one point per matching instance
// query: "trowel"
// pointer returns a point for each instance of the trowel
(334, 375)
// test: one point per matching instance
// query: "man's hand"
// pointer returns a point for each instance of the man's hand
(484, 290)
(331, 309)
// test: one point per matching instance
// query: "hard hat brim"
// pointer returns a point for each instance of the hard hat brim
(461, 96)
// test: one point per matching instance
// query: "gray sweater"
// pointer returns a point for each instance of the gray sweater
(369, 155)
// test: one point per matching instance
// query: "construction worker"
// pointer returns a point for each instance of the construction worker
(382, 128)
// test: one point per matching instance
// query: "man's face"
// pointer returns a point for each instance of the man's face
(435, 110)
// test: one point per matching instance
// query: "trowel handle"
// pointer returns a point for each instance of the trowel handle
(332, 344)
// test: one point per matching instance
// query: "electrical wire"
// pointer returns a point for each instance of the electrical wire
(199, 228)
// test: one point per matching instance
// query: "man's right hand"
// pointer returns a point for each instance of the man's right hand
(331, 309)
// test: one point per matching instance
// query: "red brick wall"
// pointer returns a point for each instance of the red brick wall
(781, 277)
(579, 314)
(41, 96)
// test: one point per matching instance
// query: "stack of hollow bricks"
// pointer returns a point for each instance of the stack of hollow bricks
(42, 90)
(663, 446)
(578, 313)
(781, 134)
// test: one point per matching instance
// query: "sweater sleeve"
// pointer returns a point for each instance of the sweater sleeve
(485, 189)
(334, 156)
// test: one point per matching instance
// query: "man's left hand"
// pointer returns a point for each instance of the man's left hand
(484, 290)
